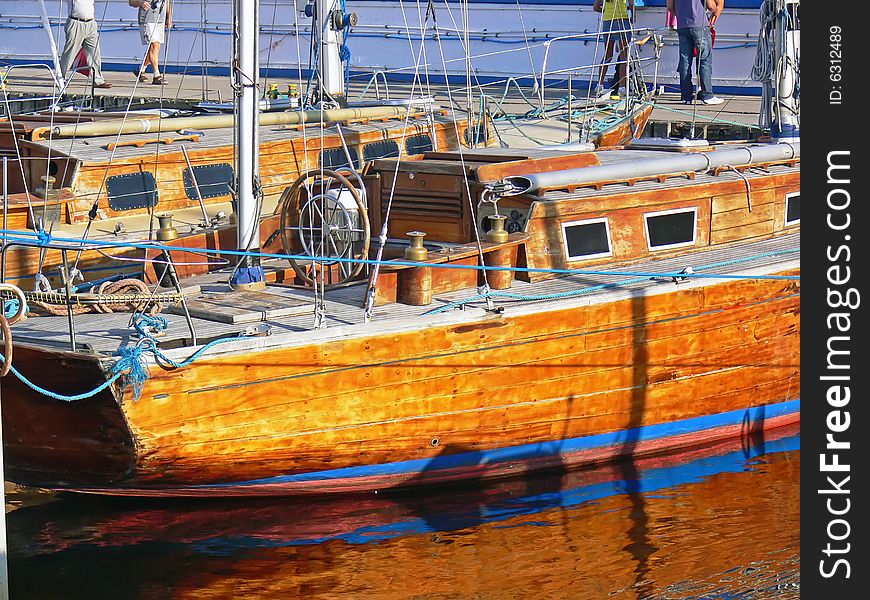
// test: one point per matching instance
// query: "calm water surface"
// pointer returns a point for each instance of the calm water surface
(721, 522)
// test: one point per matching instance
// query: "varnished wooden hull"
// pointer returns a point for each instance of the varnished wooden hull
(449, 398)
(626, 129)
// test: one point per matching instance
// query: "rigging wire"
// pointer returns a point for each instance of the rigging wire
(475, 228)
(382, 239)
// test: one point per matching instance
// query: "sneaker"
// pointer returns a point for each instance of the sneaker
(617, 93)
(713, 100)
(600, 91)
(103, 85)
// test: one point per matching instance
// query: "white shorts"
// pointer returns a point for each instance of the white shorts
(152, 26)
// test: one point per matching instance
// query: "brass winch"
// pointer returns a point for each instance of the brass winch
(416, 251)
(166, 232)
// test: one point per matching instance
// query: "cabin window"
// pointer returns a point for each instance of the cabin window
(133, 190)
(793, 208)
(335, 158)
(478, 134)
(671, 228)
(213, 180)
(382, 149)
(587, 239)
(418, 144)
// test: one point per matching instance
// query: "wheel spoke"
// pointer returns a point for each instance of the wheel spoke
(338, 253)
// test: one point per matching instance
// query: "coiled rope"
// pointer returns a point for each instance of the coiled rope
(110, 296)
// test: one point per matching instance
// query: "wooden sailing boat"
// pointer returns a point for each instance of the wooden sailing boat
(549, 308)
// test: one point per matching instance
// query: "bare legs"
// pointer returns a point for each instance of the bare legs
(620, 64)
(152, 57)
(608, 54)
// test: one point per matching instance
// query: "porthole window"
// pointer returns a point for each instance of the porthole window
(586, 239)
(793, 208)
(213, 180)
(418, 144)
(671, 228)
(334, 158)
(133, 190)
(382, 149)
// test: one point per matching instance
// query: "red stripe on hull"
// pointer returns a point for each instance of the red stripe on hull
(453, 475)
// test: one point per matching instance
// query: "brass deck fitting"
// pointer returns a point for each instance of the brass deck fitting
(416, 251)
(497, 233)
(166, 232)
(47, 190)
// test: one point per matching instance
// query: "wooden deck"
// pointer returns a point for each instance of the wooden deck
(104, 333)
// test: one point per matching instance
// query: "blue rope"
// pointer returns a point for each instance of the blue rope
(130, 366)
(344, 51)
(146, 325)
(69, 398)
(11, 307)
(26, 239)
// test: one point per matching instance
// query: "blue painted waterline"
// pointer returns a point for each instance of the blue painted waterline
(537, 450)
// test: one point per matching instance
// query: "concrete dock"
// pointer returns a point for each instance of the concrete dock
(29, 89)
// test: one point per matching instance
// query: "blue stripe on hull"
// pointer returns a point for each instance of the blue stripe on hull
(755, 416)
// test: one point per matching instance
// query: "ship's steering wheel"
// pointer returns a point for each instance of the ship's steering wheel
(323, 217)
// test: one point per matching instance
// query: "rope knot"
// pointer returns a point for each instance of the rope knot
(149, 325)
(132, 367)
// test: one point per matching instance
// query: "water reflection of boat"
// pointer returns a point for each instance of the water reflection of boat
(283, 544)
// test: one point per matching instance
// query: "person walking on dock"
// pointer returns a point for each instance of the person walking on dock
(693, 31)
(154, 17)
(82, 34)
(616, 25)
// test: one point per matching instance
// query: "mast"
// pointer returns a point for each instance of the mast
(777, 67)
(246, 76)
(330, 25)
(785, 126)
(46, 24)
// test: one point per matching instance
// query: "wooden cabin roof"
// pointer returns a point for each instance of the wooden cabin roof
(97, 150)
